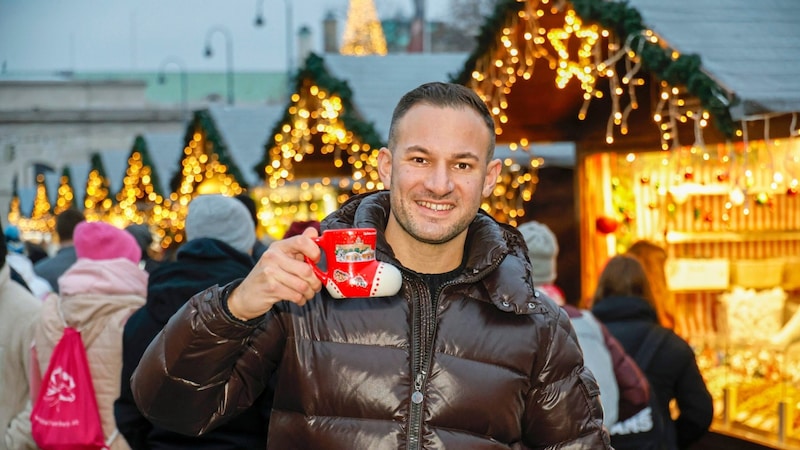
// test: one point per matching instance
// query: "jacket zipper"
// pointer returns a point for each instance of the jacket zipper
(422, 356)
(415, 416)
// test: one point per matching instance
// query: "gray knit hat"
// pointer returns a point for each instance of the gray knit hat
(222, 218)
(542, 250)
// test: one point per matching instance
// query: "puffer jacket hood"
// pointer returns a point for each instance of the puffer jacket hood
(497, 241)
(200, 262)
(488, 364)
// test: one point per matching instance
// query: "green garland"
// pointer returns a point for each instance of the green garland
(140, 145)
(626, 22)
(315, 71)
(202, 120)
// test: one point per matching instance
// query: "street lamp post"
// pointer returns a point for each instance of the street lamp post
(228, 52)
(259, 21)
(174, 60)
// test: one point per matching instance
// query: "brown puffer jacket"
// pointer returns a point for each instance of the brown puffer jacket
(498, 367)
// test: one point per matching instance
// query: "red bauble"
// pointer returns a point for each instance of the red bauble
(791, 192)
(606, 225)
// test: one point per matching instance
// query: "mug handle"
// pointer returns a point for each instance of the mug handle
(323, 277)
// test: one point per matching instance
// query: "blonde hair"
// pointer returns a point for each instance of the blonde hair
(654, 258)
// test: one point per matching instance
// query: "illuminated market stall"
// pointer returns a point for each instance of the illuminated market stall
(686, 135)
(221, 148)
(144, 195)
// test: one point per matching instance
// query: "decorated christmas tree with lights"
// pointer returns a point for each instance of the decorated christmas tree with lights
(363, 34)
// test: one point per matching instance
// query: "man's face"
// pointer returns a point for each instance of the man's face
(438, 172)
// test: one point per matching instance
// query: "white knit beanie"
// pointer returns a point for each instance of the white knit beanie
(542, 250)
(222, 218)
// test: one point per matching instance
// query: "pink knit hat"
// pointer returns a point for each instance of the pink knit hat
(100, 240)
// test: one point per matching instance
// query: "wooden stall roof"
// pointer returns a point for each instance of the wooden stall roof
(752, 49)
(738, 58)
(378, 82)
(238, 134)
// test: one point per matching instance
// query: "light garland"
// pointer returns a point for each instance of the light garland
(502, 59)
(315, 123)
(202, 172)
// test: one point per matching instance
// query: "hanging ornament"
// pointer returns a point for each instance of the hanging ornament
(606, 225)
(762, 198)
(722, 176)
(791, 191)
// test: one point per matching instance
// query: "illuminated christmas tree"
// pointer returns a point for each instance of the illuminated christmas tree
(41, 205)
(363, 34)
(66, 194)
(139, 194)
(97, 202)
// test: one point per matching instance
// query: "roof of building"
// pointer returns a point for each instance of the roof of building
(378, 82)
(164, 151)
(245, 130)
(750, 48)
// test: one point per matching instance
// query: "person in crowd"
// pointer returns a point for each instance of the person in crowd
(465, 355)
(624, 389)
(259, 247)
(297, 227)
(219, 239)
(144, 238)
(52, 268)
(98, 294)
(654, 260)
(624, 302)
(543, 252)
(35, 251)
(19, 313)
(19, 262)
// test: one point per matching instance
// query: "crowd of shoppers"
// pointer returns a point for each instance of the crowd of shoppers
(231, 344)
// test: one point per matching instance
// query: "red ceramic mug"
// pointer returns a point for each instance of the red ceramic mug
(353, 270)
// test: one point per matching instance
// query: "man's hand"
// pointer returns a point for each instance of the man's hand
(280, 274)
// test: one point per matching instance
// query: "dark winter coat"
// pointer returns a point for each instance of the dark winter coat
(199, 263)
(497, 366)
(673, 373)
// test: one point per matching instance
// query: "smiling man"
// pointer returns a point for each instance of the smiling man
(466, 356)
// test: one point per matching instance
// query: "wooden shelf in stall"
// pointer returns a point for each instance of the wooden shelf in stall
(679, 237)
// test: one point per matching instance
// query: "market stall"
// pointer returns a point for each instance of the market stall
(685, 138)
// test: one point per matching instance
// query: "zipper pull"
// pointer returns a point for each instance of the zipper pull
(416, 396)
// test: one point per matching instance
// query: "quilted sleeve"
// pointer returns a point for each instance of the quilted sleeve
(205, 367)
(563, 406)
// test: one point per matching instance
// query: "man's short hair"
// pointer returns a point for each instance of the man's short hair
(442, 95)
(66, 223)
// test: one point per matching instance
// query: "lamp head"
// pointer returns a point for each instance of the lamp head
(259, 20)
(208, 51)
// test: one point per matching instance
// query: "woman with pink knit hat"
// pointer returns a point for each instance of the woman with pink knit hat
(97, 295)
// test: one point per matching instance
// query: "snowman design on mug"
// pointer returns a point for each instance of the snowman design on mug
(353, 271)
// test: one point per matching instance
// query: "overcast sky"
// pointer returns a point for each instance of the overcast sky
(140, 35)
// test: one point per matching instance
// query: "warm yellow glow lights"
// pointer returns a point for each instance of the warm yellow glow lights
(363, 34)
(316, 124)
(574, 50)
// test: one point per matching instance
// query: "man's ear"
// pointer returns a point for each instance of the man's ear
(492, 172)
(385, 166)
